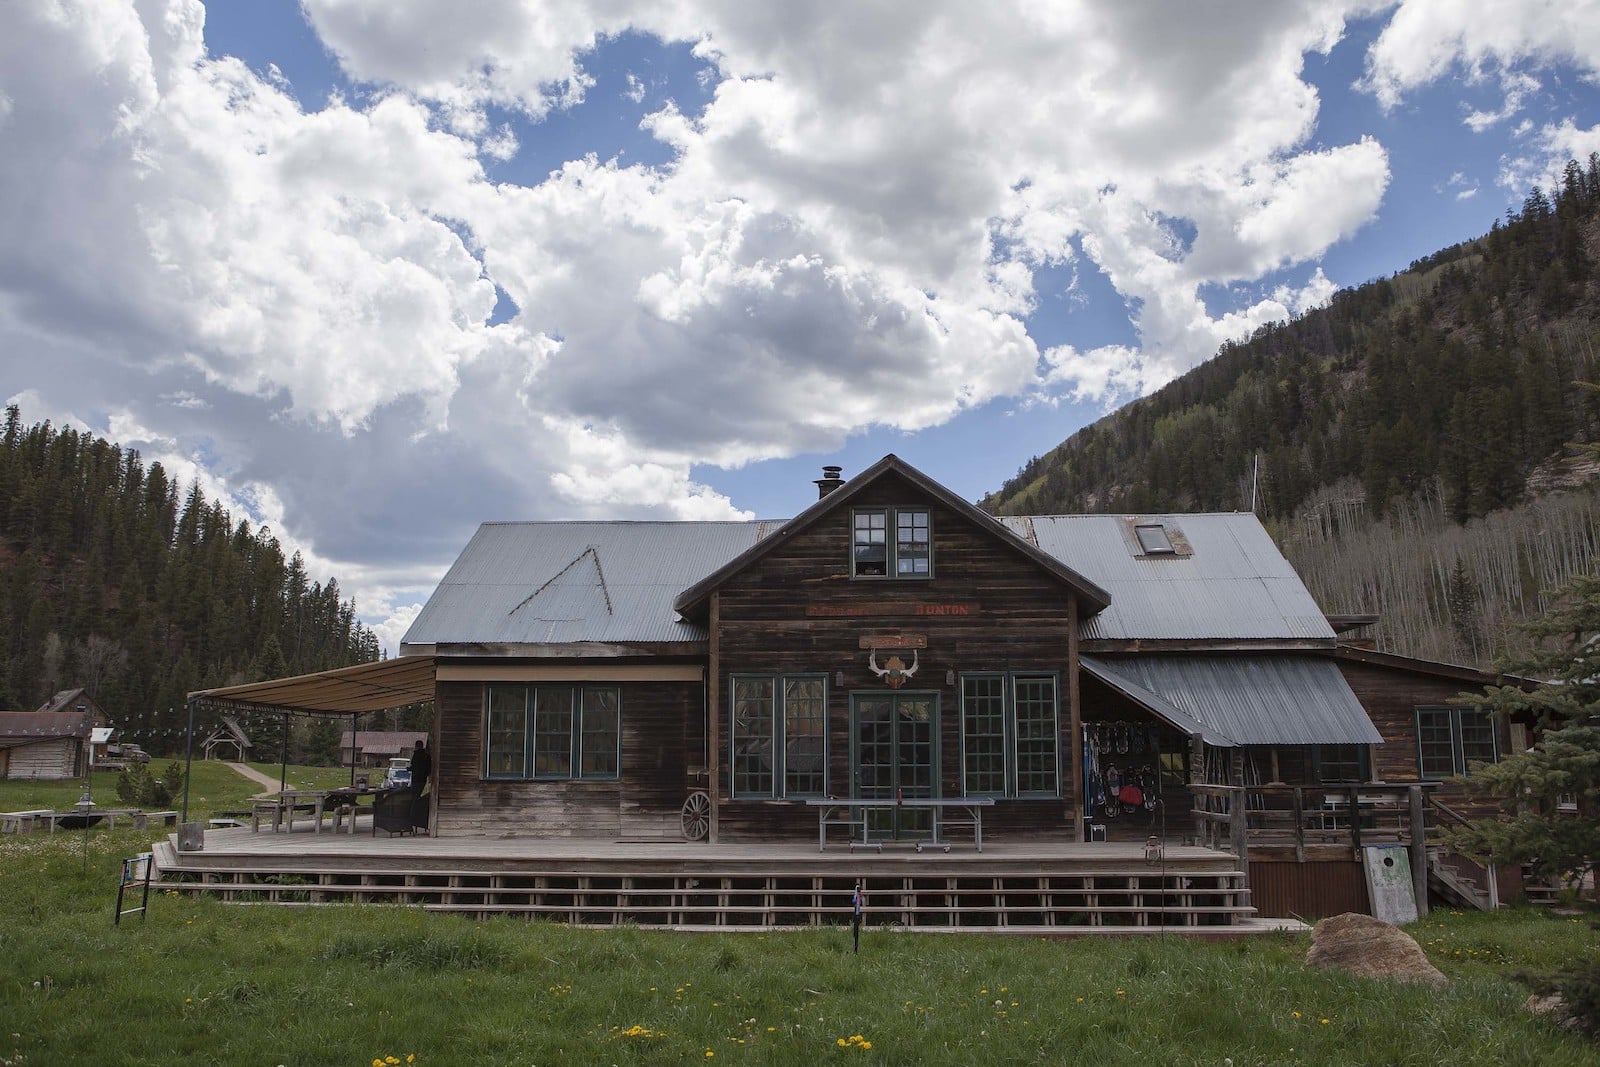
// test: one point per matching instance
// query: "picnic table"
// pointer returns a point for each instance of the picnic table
(851, 812)
(282, 807)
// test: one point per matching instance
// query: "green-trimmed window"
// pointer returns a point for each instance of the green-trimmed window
(983, 735)
(552, 731)
(1010, 735)
(1451, 738)
(1333, 764)
(875, 554)
(777, 735)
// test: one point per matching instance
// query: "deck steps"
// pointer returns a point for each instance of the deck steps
(928, 891)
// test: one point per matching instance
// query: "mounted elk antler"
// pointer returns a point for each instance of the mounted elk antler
(895, 673)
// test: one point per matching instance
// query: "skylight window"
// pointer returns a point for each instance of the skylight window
(1153, 540)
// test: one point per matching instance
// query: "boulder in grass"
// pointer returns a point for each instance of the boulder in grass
(1370, 948)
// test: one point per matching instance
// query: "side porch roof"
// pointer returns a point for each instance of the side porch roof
(1280, 699)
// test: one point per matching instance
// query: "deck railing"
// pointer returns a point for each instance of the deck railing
(1302, 815)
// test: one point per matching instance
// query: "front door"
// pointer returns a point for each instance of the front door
(895, 755)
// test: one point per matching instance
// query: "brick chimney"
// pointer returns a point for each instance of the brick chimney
(829, 481)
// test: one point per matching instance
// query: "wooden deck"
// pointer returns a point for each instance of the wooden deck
(1035, 888)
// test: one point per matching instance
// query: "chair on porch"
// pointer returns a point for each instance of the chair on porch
(400, 811)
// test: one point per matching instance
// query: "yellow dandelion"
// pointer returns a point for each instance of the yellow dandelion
(1324, 1022)
(866, 1044)
(841, 1042)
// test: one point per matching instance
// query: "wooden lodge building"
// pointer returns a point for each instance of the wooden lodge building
(1078, 687)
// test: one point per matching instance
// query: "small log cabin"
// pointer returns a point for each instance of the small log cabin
(52, 742)
(1086, 673)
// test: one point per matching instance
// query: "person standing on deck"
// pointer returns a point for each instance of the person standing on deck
(421, 766)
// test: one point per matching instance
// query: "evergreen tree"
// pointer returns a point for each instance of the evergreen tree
(1552, 791)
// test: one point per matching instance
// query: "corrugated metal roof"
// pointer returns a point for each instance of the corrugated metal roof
(1279, 699)
(1233, 586)
(555, 583)
(568, 582)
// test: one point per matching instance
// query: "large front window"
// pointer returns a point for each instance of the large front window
(907, 554)
(1010, 735)
(1450, 739)
(552, 731)
(777, 733)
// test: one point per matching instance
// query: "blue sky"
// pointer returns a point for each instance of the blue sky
(373, 271)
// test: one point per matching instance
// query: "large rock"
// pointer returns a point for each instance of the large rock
(1370, 948)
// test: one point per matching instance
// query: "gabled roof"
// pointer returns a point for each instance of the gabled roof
(38, 724)
(1229, 585)
(70, 700)
(1091, 597)
(375, 742)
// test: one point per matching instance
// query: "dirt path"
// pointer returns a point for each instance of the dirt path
(270, 784)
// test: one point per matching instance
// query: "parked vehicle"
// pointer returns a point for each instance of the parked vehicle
(399, 775)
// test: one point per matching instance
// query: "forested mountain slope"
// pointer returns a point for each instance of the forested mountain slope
(1408, 437)
(115, 579)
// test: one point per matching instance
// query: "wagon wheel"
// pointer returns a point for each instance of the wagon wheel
(696, 815)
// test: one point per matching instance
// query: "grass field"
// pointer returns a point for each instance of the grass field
(207, 983)
(213, 787)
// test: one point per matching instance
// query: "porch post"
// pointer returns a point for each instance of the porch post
(713, 719)
(1419, 851)
(1074, 720)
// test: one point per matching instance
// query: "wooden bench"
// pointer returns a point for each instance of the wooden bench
(17, 822)
(141, 819)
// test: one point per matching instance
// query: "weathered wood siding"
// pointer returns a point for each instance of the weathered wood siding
(1310, 890)
(1018, 619)
(1391, 697)
(49, 760)
(657, 720)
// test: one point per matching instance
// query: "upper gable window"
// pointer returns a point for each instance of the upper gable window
(1153, 540)
(908, 555)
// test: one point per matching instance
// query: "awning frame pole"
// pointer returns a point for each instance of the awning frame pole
(188, 760)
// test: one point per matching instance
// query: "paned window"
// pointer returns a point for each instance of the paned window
(983, 735)
(1450, 739)
(507, 732)
(1339, 763)
(552, 731)
(870, 554)
(874, 554)
(778, 735)
(913, 550)
(1010, 735)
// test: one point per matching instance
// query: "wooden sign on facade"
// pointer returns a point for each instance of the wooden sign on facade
(879, 608)
(893, 641)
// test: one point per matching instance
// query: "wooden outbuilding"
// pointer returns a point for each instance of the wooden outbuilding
(52, 742)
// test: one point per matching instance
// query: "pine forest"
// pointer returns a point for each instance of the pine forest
(1421, 448)
(116, 579)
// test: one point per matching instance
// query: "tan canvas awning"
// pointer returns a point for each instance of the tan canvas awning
(389, 683)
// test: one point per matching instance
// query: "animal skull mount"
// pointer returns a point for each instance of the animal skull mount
(894, 673)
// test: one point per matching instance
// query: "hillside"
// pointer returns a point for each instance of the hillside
(111, 580)
(1407, 444)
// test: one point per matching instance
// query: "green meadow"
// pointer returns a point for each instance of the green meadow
(201, 982)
